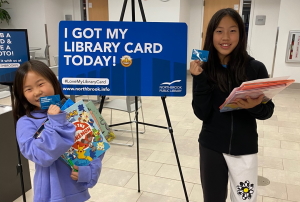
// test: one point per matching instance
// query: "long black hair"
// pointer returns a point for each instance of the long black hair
(21, 105)
(238, 58)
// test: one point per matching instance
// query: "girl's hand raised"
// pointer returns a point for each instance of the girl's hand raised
(249, 102)
(195, 67)
(53, 109)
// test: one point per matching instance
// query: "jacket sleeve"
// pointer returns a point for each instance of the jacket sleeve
(89, 175)
(56, 138)
(262, 111)
(202, 96)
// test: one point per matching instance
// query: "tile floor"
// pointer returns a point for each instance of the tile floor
(279, 154)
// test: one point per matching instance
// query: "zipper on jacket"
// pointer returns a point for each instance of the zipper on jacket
(231, 115)
(231, 132)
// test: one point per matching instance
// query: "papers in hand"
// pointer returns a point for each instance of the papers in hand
(268, 87)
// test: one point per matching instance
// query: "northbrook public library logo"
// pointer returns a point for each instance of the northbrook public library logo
(167, 87)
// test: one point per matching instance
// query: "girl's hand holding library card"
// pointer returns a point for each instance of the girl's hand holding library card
(201, 55)
(49, 100)
(53, 110)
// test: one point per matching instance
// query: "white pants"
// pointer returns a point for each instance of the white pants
(242, 171)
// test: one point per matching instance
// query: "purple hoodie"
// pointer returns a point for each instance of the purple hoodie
(52, 181)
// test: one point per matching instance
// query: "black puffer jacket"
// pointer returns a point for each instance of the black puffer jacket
(232, 132)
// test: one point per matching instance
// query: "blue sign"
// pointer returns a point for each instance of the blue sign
(122, 58)
(13, 52)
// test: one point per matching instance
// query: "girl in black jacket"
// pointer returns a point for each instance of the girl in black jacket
(228, 140)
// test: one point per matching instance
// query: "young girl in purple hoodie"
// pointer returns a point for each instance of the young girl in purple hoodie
(54, 181)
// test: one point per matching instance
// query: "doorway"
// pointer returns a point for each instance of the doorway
(211, 7)
(97, 10)
(94, 10)
(246, 14)
(83, 10)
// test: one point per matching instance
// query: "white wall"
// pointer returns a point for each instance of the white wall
(261, 38)
(30, 15)
(184, 10)
(34, 14)
(72, 7)
(55, 11)
(188, 11)
(53, 14)
(50, 12)
(195, 26)
(289, 16)
(155, 11)
(184, 16)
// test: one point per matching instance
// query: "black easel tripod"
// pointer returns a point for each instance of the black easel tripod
(136, 107)
(19, 165)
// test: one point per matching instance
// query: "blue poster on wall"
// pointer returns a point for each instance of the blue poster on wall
(123, 58)
(14, 51)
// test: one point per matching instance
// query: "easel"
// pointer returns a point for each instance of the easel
(136, 107)
(19, 166)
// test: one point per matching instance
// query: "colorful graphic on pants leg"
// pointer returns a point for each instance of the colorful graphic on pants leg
(245, 190)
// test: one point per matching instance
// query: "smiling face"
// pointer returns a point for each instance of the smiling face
(36, 86)
(226, 38)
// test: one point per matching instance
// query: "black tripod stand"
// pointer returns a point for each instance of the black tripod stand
(19, 165)
(136, 107)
